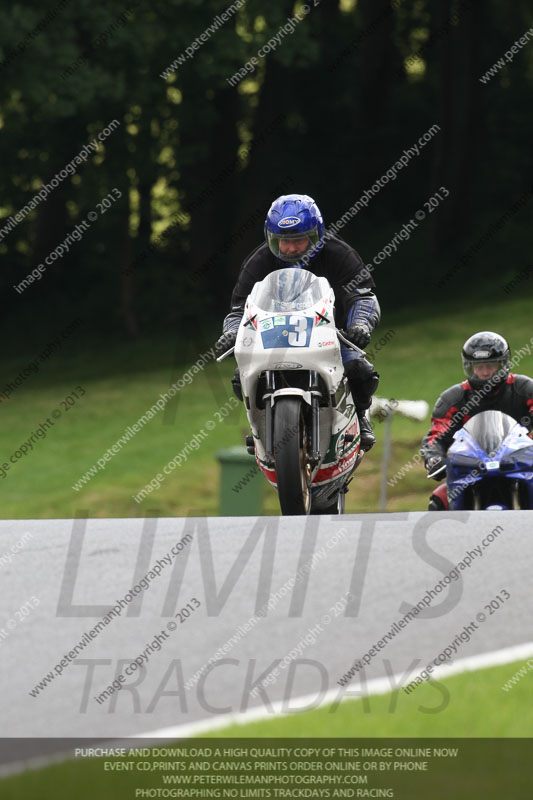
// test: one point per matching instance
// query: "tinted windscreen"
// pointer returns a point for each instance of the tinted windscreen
(289, 289)
(489, 429)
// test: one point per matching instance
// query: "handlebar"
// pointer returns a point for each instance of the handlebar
(349, 344)
(437, 472)
(226, 354)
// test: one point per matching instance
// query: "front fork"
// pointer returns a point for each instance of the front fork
(269, 428)
(314, 390)
(314, 455)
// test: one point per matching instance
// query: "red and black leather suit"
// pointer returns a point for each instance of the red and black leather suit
(460, 402)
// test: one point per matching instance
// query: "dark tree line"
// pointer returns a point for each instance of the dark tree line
(197, 161)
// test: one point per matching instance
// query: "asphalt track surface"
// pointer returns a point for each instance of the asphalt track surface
(335, 587)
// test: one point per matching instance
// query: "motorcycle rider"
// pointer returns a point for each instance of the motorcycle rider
(295, 237)
(489, 385)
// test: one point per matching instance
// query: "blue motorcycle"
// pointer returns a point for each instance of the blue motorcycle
(490, 465)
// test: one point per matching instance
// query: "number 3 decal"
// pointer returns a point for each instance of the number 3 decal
(298, 337)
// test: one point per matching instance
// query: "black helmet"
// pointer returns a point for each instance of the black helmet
(486, 347)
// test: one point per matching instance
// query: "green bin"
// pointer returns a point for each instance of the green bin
(241, 483)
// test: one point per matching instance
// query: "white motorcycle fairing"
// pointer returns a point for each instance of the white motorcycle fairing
(288, 333)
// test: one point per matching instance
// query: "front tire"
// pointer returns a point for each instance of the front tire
(293, 470)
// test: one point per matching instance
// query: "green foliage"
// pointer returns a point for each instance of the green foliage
(121, 383)
(348, 111)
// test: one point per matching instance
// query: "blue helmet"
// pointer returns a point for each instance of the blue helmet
(294, 217)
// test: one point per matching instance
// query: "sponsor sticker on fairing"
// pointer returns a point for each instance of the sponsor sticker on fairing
(280, 320)
(267, 324)
(321, 318)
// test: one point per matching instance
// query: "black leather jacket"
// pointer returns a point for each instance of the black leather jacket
(337, 261)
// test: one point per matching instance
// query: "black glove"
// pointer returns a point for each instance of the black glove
(226, 341)
(359, 334)
(436, 464)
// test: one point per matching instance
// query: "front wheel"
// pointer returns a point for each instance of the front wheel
(293, 470)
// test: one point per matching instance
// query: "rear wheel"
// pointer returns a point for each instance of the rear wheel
(293, 470)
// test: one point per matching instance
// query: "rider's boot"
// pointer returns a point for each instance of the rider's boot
(237, 386)
(368, 439)
(363, 382)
